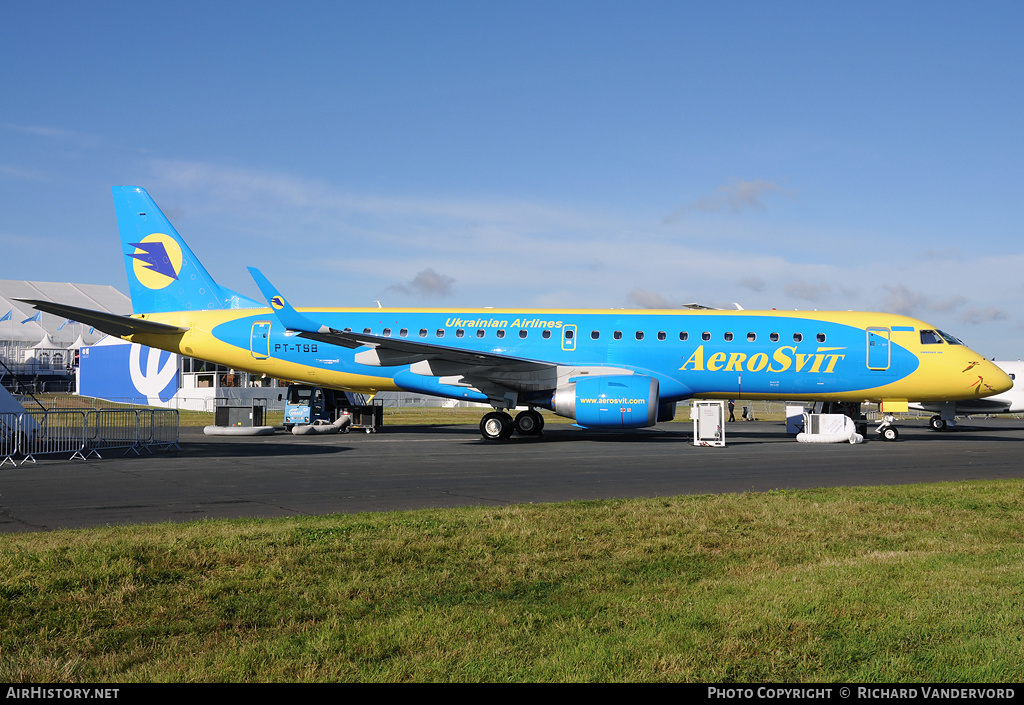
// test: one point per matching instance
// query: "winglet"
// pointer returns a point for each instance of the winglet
(285, 312)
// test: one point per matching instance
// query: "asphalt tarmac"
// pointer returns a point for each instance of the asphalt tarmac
(411, 467)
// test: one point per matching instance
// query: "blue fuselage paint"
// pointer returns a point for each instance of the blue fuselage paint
(747, 355)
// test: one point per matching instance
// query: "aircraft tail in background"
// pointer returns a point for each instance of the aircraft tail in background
(163, 273)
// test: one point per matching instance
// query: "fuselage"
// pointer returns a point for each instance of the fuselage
(834, 355)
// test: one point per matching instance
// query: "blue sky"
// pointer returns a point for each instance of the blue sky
(791, 155)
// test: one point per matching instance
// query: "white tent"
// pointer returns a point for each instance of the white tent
(46, 344)
(78, 344)
(48, 355)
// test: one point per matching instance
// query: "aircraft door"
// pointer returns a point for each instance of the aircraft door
(569, 338)
(259, 342)
(879, 354)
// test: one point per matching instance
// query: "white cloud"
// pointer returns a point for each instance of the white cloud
(734, 198)
(975, 316)
(41, 130)
(647, 299)
(427, 283)
(21, 174)
(808, 292)
(753, 283)
(899, 299)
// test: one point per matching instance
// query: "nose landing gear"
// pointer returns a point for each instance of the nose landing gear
(887, 430)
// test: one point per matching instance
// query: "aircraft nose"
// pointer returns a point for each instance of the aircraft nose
(991, 379)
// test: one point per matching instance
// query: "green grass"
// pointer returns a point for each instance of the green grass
(879, 584)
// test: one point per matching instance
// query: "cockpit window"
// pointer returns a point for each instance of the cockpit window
(930, 337)
(952, 340)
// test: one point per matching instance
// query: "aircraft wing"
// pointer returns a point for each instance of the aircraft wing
(388, 352)
(109, 323)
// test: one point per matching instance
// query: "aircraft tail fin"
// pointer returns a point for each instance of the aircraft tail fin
(163, 273)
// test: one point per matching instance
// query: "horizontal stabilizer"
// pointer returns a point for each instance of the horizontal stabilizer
(109, 323)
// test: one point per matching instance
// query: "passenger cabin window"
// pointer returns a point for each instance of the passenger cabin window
(423, 332)
(366, 331)
(500, 333)
(523, 333)
(798, 337)
(440, 332)
(661, 335)
(683, 335)
(568, 333)
(617, 335)
(459, 333)
(728, 336)
(480, 333)
(386, 333)
(705, 336)
(639, 335)
(820, 337)
(594, 335)
(774, 337)
(404, 332)
(751, 337)
(546, 334)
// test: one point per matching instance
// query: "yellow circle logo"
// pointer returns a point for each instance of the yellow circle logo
(157, 262)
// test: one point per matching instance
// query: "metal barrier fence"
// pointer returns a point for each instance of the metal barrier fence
(182, 403)
(83, 434)
(51, 432)
(162, 425)
(108, 429)
(10, 427)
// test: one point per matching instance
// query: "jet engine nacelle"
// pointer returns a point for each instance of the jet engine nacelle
(611, 401)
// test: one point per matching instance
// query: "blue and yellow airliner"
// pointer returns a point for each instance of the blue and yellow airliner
(603, 368)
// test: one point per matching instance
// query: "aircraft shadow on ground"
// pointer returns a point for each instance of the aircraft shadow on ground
(747, 436)
(214, 449)
(468, 434)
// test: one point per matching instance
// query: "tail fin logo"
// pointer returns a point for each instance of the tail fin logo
(277, 302)
(158, 260)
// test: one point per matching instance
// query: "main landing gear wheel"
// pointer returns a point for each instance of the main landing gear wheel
(889, 433)
(937, 423)
(529, 423)
(496, 426)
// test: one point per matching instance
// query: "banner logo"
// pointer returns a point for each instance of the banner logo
(156, 379)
